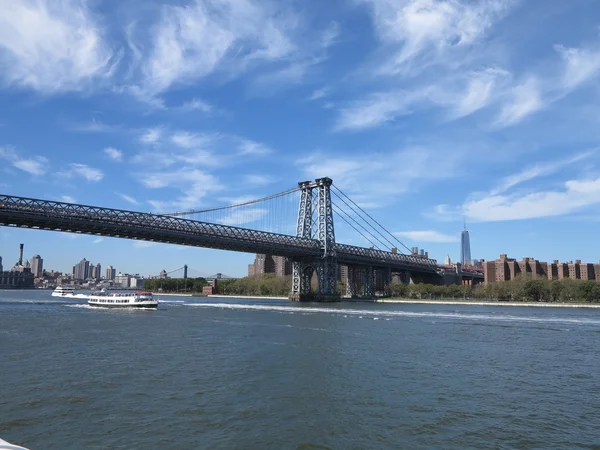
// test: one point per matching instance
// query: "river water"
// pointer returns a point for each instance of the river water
(248, 374)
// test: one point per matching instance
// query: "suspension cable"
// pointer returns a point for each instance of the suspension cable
(249, 202)
(338, 209)
(368, 224)
(355, 229)
(369, 216)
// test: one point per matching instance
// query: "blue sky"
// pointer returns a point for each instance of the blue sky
(426, 112)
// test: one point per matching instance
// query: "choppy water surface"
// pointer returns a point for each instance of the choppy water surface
(239, 374)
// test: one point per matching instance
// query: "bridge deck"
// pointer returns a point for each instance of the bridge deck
(85, 219)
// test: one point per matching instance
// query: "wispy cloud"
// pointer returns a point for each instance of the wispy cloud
(258, 180)
(113, 153)
(376, 109)
(94, 126)
(151, 135)
(67, 199)
(581, 64)
(426, 236)
(37, 165)
(422, 30)
(248, 147)
(84, 171)
(194, 184)
(52, 46)
(192, 41)
(128, 198)
(503, 203)
(319, 93)
(525, 99)
(367, 176)
(196, 104)
(97, 240)
(538, 170)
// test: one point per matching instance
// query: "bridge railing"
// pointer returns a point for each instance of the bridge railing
(349, 252)
(59, 216)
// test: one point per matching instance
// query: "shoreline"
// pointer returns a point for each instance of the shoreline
(173, 294)
(252, 297)
(484, 303)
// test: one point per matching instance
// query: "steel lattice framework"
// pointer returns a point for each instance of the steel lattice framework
(311, 250)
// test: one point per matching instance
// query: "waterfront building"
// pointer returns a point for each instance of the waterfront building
(81, 270)
(505, 269)
(1, 269)
(37, 266)
(282, 266)
(122, 280)
(110, 273)
(263, 264)
(17, 279)
(465, 248)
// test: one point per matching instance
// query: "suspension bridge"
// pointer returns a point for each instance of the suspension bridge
(297, 223)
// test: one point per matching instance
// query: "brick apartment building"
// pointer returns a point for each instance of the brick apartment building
(505, 269)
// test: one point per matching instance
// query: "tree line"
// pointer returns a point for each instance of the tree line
(517, 290)
(175, 284)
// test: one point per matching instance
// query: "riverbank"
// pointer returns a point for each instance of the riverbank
(488, 303)
(252, 297)
(174, 294)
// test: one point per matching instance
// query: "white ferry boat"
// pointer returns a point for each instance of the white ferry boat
(105, 299)
(64, 291)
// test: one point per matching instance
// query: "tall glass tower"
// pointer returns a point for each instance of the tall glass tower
(465, 248)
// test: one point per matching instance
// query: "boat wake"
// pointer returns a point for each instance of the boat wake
(375, 314)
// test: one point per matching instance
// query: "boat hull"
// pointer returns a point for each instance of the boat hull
(124, 306)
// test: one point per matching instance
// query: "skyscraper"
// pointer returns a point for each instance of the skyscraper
(37, 266)
(110, 273)
(465, 248)
(82, 270)
(1, 268)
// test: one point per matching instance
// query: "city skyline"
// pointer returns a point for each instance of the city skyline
(424, 112)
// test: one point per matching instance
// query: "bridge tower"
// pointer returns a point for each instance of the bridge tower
(321, 229)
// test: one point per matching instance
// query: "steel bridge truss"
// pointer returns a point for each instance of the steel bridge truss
(312, 251)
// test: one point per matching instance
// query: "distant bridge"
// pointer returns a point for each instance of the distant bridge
(312, 249)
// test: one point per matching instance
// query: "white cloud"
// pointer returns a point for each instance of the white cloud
(151, 135)
(37, 165)
(319, 93)
(248, 147)
(422, 27)
(249, 216)
(538, 170)
(373, 179)
(195, 185)
(258, 180)
(575, 195)
(500, 204)
(581, 64)
(192, 41)
(196, 104)
(128, 198)
(67, 199)
(524, 100)
(482, 88)
(113, 153)
(94, 126)
(84, 171)
(426, 236)
(51, 45)
(187, 140)
(376, 109)
(97, 240)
